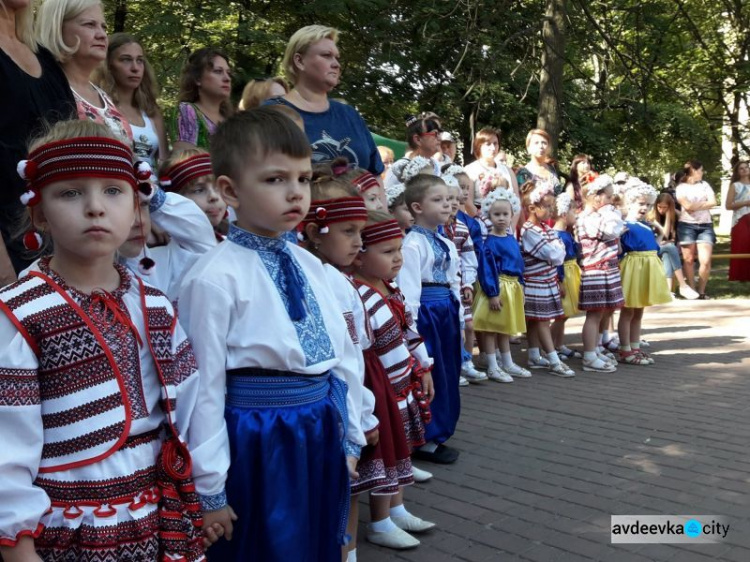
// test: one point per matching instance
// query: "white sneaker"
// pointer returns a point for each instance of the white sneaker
(540, 363)
(517, 372)
(687, 292)
(561, 370)
(420, 475)
(462, 381)
(412, 523)
(480, 361)
(498, 375)
(471, 374)
(396, 538)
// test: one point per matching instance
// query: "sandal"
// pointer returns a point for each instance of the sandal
(568, 353)
(561, 370)
(598, 366)
(517, 371)
(607, 356)
(646, 356)
(612, 344)
(633, 357)
(540, 363)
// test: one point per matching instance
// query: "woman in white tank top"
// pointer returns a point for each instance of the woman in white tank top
(130, 82)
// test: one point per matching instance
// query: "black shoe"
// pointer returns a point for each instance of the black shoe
(704, 297)
(441, 455)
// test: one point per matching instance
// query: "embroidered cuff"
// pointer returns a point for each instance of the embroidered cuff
(352, 449)
(215, 502)
(157, 200)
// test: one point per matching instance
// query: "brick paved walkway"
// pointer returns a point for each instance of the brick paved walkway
(546, 461)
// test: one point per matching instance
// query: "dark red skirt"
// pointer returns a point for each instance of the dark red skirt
(386, 466)
(739, 269)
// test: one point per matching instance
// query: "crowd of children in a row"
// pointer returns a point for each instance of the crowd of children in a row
(308, 373)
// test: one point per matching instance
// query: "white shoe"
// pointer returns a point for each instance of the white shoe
(471, 374)
(412, 523)
(396, 538)
(420, 475)
(480, 361)
(517, 372)
(462, 381)
(687, 292)
(561, 370)
(541, 363)
(498, 375)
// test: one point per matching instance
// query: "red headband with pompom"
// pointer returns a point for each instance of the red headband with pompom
(328, 211)
(182, 173)
(381, 232)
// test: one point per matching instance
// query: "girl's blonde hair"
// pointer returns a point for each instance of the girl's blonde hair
(144, 97)
(24, 25)
(49, 22)
(180, 156)
(256, 92)
(300, 42)
(73, 129)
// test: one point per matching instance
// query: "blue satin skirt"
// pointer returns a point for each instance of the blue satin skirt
(438, 324)
(288, 481)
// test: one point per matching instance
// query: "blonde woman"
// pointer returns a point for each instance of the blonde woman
(311, 64)
(258, 91)
(75, 32)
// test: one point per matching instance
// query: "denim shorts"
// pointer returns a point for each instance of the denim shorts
(688, 233)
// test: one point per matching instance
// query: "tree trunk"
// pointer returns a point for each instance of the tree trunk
(121, 14)
(549, 116)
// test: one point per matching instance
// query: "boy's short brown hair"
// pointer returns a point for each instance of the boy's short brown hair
(416, 188)
(257, 133)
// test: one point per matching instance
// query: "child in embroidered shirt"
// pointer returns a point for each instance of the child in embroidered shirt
(569, 273)
(542, 252)
(82, 428)
(457, 231)
(598, 228)
(332, 232)
(273, 347)
(643, 282)
(430, 282)
(498, 307)
(189, 173)
(398, 369)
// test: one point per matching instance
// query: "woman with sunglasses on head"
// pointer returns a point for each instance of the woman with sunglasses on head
(334, 129)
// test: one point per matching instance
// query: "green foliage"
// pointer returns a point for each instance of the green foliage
(646, 82)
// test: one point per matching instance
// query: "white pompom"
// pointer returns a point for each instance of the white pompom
(27, 196)
(323, 230)
(21, 169)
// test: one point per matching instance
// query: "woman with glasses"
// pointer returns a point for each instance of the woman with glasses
(335, 129)
(205, 86)
(423, 137)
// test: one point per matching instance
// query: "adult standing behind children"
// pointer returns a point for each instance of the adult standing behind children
(539, 167)
(34, 91)
(75, 32)
(738, 200)
(695, 227)
(311, 64)
(486, 167)
(129, 80)
(205, 86)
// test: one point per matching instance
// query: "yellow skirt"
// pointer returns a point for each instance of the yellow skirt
(643, 280)
(572, 284)
(510, 319)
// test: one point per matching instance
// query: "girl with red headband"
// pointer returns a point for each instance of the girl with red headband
(400, 357)
(90, 352)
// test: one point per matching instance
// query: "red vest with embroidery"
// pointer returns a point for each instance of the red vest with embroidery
(79, 379)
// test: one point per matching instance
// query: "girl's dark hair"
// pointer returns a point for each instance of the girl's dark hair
(736, 169)
(574, 179)
(197, 63)
(329, 181)
(690, 167)
(255, 133)
(420, 124)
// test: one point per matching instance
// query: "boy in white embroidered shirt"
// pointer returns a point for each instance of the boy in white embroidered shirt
(274, 346)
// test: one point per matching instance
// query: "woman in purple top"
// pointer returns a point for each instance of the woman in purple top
(205, 86)
(34, 91)
(311, 64)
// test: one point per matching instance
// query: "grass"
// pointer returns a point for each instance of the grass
(719, 286)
